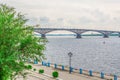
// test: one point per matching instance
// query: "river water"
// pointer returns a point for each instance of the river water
(90, 53)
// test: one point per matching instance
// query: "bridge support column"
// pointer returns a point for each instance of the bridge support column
(43, 35)
(105, 36)
(119, 34)
(78, 36)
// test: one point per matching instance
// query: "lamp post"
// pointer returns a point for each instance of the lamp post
(70, 55)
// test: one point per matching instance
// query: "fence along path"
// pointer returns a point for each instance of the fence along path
(64, 74)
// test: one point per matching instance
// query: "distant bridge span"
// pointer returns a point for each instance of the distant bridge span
(78, 32)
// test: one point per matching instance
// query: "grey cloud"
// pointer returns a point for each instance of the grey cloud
(117, 12)
(85, 20)
(57, 22)
(98, 1)
(111, 1)
(60, 19)
(69, 12)
(73, 22)
(32, 21)
(100, 14)
(116, 20)
(100, 17)
(44, 20)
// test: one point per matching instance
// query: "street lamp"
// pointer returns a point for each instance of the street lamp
(70, 55)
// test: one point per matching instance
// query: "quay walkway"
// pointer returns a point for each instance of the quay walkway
(63, 74)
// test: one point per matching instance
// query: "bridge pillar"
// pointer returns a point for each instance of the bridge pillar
(119, 34)
(106, 36)
(78, 36)
(43, 35)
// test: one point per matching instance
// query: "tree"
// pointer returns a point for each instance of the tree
(17, 42)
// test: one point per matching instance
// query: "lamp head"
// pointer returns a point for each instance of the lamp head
(70, 54)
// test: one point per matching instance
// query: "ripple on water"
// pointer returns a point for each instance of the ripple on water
(88, 53)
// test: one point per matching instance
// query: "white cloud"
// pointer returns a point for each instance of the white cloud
(95, 14)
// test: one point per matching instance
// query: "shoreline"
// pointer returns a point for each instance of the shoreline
(64, 74)
(86, 70)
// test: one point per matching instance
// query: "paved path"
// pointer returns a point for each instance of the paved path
(63, 75)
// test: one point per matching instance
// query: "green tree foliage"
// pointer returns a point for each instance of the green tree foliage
(17, 42)
(55, 74)
(41, 71)
(29, 67)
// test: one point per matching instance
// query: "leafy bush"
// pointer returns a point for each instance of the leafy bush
(55, 74)
(41, 71)
(29, 67)
(34, 69)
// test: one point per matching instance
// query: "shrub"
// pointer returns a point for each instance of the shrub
(29, 67)
(41, 71)
(55, 74)
(34, 69)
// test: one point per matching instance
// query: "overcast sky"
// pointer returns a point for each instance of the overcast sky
(90, 14)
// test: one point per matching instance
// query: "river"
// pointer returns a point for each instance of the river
(90, 53)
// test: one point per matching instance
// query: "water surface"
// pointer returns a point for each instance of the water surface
(91, 53)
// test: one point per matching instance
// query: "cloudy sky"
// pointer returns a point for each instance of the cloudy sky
(83, 14)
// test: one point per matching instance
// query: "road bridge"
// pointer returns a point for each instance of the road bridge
(78, 32)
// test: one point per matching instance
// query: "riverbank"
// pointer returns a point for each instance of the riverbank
(63, 74)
